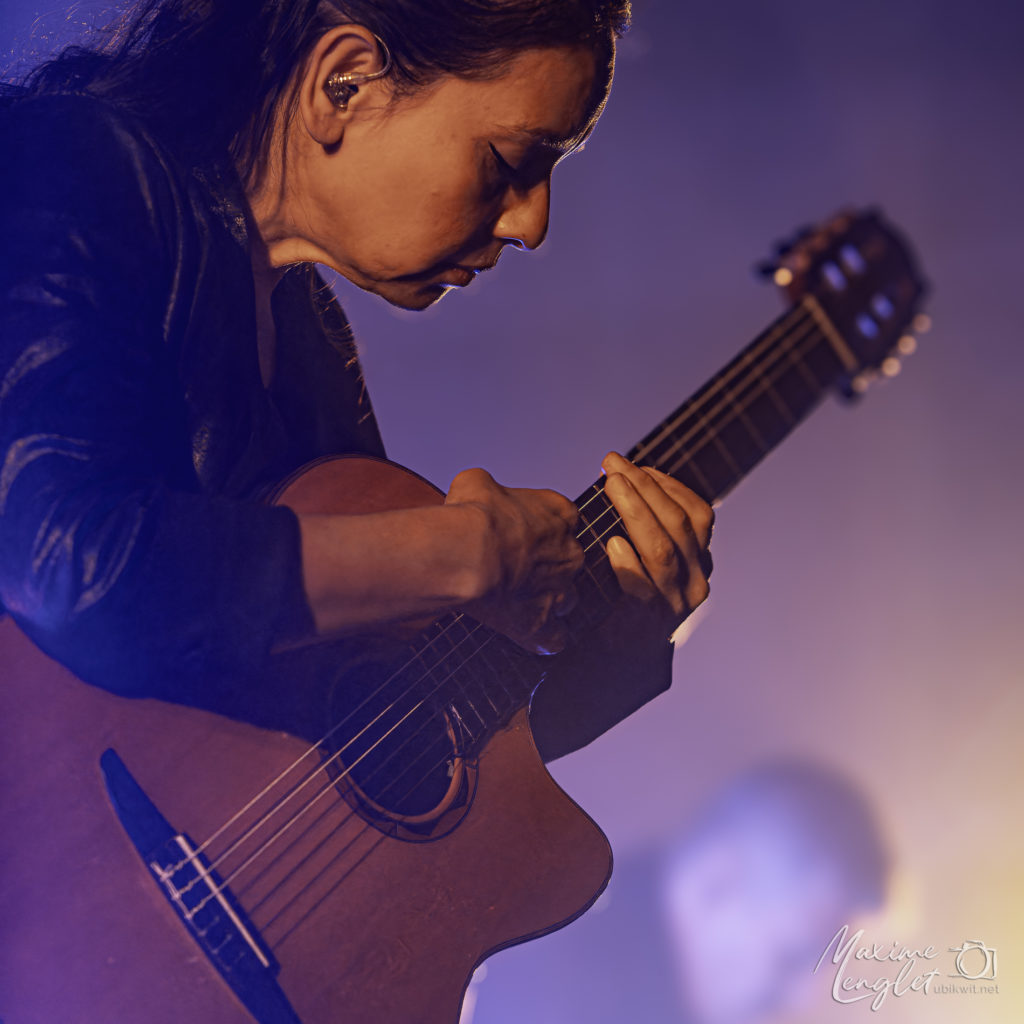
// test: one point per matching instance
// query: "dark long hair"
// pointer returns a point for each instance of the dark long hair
(208, 75)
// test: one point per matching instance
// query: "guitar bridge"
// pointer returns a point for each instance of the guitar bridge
(203, 904)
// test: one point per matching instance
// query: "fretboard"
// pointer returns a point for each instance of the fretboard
(716, 437)
(709, 443)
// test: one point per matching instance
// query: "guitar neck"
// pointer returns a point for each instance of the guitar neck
(718, 435)
(856, 290)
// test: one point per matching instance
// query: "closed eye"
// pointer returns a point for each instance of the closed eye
(503, 165)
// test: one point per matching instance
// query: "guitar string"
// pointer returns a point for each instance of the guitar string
(712, 435)
(446, 760)
(418, 705)
(325, 765)
(317, 770)
(759, 388)
(719, 383)
(408, 766)
(315, 748)
(452, 753)
(265, 926)
(329, 787)
(332, 831)
(797, 313)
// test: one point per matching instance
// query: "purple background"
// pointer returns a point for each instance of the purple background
(867, 594)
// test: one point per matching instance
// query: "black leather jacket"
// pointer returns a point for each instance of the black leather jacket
(136, 433)
(133, 420)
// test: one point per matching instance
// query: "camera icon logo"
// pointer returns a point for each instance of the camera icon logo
(974, 961)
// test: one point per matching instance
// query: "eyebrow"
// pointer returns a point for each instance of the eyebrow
(561, 144)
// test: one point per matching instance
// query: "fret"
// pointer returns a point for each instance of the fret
(739, 435)
(601, 575)
(597, 586)
(461, 644)
(444, 656)
(462, 699)
(822, 361)
(723, 450)
(791, 384)
(595, 598)
(488, 684)
(708, 434)
(799, 362)
(497, 677)
(711, 474)
(840, 349)
(524, 667)
(482, 687)
(750, 435)
(597, 516)
(783, 411)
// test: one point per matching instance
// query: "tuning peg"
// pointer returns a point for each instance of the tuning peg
(771, 271)
(862, 381)
(787, 245)
(890, 366)
(922, 323)
(907, 345)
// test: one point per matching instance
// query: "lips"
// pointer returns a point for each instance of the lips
(460, 276)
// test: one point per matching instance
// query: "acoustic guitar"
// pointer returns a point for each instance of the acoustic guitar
(353, 855)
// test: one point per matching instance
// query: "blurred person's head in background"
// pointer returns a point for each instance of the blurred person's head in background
(754, 889)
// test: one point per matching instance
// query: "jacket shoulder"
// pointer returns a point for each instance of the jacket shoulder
(84, 162)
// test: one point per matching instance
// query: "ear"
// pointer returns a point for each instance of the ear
(348, 49)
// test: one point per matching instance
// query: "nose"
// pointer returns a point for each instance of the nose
(524, 218)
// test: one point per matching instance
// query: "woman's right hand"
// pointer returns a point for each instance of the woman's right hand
(529, 558)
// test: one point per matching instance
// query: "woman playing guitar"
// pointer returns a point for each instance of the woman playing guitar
(157, 373)
(168, 353)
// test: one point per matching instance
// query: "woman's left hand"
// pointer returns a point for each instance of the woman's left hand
(667, 567)
(609, 673)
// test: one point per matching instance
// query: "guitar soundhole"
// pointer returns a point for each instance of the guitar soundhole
(394, 751)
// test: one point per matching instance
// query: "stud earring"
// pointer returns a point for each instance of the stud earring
(342, 86)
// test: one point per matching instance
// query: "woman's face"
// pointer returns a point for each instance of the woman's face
(422, 194)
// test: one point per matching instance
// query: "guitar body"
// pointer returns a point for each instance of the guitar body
(364, 921)
(217, 868)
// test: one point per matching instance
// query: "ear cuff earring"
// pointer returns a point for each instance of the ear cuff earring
(342, 86)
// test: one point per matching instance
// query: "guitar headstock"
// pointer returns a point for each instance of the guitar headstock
(864, 277)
